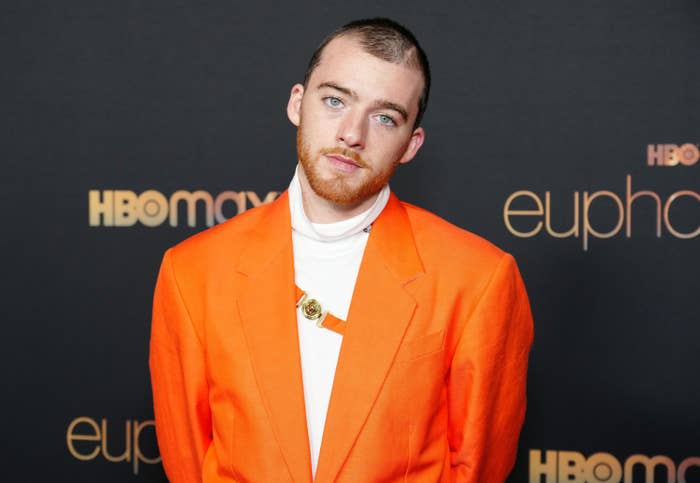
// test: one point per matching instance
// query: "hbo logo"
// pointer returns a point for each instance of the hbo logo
(672, 155)
(573, 467)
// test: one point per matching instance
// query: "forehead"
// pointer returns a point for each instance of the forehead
(344, 62)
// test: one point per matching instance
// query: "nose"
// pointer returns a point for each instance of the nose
(353, 130)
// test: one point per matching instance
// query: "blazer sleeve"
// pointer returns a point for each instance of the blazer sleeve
(178, 379)
(487, 379)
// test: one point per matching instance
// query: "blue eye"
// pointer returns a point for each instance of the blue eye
(386, 120)
(333, 101)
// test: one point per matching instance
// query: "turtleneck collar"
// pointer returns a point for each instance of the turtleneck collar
(328, 232)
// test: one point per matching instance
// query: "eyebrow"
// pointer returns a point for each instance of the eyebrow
(380, 103)
(393, 106)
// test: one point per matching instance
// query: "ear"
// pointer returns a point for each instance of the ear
(294, 104)
(414, 144)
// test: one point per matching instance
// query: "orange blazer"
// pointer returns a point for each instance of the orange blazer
(430, 381)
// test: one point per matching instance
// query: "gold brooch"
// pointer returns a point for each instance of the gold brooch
(311, 309)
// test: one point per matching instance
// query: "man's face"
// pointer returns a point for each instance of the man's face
(355, 121)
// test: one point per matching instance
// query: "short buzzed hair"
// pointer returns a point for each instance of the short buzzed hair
(387, 40)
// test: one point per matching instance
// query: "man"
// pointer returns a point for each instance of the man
(338, 334)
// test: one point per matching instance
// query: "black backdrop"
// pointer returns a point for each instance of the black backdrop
(529, 98)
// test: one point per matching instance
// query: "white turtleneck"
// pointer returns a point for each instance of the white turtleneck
(327, 259)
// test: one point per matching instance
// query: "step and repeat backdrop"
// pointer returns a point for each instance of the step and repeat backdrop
(565, 132)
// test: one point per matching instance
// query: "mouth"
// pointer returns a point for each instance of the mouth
(343, 163)
(343, 159)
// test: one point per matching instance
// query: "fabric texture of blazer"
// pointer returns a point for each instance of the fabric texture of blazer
(431, 376)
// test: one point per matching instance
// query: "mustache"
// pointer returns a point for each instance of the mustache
(348, 153)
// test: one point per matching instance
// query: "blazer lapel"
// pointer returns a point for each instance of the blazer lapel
(268, 317)
(379, 315)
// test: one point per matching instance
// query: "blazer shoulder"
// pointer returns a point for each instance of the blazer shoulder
(219, 242)
(439, 241)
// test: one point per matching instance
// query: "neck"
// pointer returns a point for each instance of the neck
(321, 210)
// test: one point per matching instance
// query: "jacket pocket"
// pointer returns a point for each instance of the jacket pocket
(422, 346)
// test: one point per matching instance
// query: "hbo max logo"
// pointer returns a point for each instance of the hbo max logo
(125, 208)
(574, 467)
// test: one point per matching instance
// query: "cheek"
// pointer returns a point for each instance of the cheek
(318, 133)
(388, 148)
(316, 117)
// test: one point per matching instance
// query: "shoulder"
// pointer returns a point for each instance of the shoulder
(438, 241)
(220, 243)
